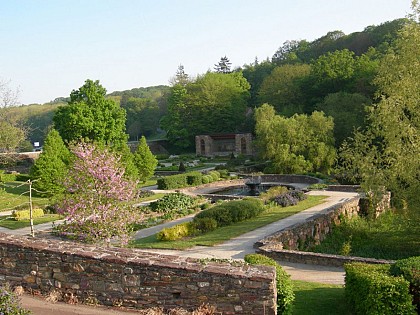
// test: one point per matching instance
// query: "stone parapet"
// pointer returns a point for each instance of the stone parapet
(132, 278)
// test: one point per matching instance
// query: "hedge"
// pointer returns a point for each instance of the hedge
(194, 178)
(20, 215)
(233, 211)
(285, 295)
(172, 182)
(371, 289)
(409, 268)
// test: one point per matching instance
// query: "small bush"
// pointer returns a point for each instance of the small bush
(20, 215)
(172, 201)
(215, 175)
(285, 295)
(205, 225)
(409, 268)
(7, 177)
(298, 194)
(182, 167)
(176, 232)
(9, 303)
(285, 200)
(370, 289)
(273, 192)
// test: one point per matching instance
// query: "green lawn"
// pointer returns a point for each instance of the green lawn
(319, 299)
(223, 234)
(14, 194)
(10, 223)
(149, 182)
(152, 197)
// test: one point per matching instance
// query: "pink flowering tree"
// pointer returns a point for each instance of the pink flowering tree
(96, 201)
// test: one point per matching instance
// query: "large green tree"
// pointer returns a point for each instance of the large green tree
(89, 115)
(348, 111)
(51, 167)
(282, 89)
(213, 103)
(297, 144)
(387, 153)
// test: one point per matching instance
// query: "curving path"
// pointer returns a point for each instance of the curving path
(238, 247)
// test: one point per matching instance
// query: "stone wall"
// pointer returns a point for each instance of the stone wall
(316, 258)
(291, 244)
(286, 178)
(313, 231)
(131, 278)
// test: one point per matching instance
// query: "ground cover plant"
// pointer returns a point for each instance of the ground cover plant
(393, 235)
(9, 302)
(220, 235)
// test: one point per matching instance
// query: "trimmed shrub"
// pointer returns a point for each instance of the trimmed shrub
(285, 295)
(205, 225)
(176, 232)
(20, 215)
(215, 175)
(370, 289)
(194, 178)
(409, 268)
(234, 211)
(207, 179)
(7, 177)
(182, 167)
(172, 201)
(172, 182)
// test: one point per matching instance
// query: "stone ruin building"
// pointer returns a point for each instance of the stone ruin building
(223, 144)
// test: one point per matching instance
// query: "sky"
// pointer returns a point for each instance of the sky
(50, 47)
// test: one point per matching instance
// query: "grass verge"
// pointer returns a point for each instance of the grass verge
(223, 234)
(10, 223)
(316, 298)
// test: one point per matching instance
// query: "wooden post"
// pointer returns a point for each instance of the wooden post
(31, 209)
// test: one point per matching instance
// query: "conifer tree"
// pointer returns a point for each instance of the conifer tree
(223, 66)
(50, 169)
(144, 160)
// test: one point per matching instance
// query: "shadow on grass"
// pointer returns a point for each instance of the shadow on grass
(318, 299)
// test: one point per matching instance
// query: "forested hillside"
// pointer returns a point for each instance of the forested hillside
(333, 74)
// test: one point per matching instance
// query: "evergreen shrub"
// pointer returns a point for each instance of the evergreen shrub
(409, 268)
(204, 225)
(371, 289)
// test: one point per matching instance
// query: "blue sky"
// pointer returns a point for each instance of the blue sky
(50, 47)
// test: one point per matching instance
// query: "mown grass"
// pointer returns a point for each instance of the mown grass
(16, 194)
(318, 299)
(12, 224)
(223, 234)
(393, 235)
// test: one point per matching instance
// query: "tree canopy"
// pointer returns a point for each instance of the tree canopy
(386, 154)
(297, 144)
(91, 116)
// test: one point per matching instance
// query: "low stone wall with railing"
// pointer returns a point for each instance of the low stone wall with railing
(135, 279)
